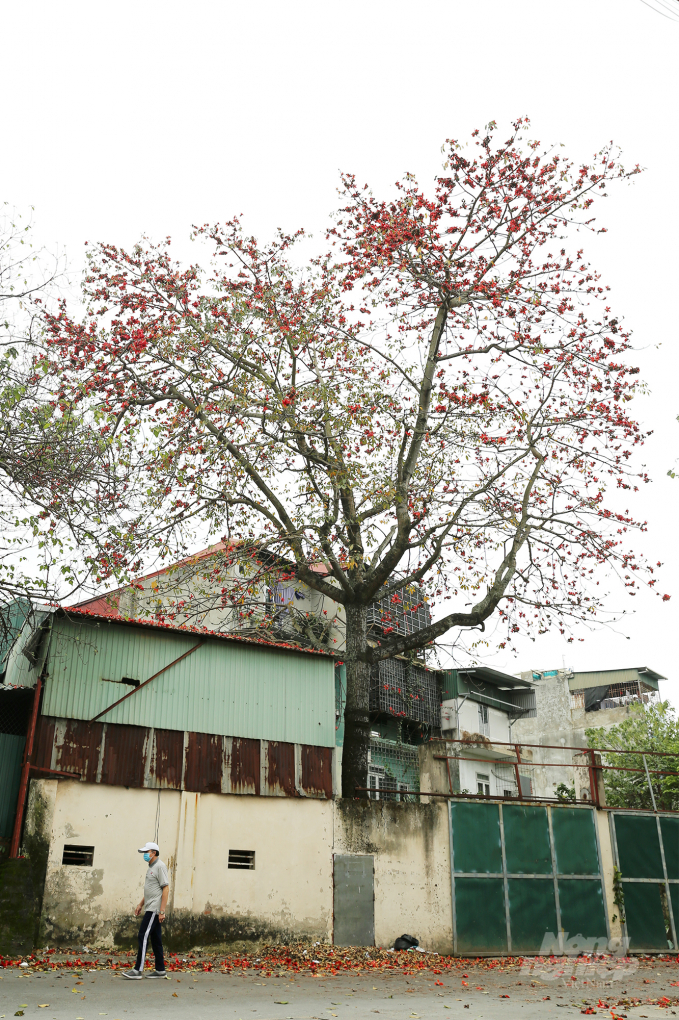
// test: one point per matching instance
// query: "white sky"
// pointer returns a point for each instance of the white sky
(146, 117)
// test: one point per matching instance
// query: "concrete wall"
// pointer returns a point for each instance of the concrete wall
(411, 850)
(553, 726)
(288, 895)
(466, 719)
(557, 726)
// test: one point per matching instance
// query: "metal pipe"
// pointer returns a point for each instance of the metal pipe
(557, 747)
(135, 689)
(648, 780)
(516, 770)
(593, 786)
(458, 706)
(557, 764)
(57, 772)
(492, 798)
(23, 784)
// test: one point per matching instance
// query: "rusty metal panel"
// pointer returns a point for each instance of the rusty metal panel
(165, 767)
(241, 766)
(317, 771)
(43, 742)
(79, 748)
(124, 755)
(203, 772)
(279, 770)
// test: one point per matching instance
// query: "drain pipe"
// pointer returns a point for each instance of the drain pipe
(458, 706)
(28, 751)
(25, 768)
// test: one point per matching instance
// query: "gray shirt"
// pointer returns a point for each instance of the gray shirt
(154, 883)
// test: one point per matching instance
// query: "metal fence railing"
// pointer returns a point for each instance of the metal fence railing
(611, 778)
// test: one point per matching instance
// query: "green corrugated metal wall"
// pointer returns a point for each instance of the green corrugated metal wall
(241, 690)
(14, 616)
(11, 753)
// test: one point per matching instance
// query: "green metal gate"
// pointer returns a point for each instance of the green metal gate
(524, 872)
(646, 848)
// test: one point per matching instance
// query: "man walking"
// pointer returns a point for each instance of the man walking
(154, 901)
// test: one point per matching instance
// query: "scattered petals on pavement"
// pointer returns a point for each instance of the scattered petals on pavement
(296, 959)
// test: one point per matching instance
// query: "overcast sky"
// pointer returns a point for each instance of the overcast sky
(130, 118)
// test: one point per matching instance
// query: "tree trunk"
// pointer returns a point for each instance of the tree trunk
(356, 713)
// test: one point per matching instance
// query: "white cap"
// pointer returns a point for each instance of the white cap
(149, 846)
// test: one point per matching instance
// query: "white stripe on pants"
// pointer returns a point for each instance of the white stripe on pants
(145, 942)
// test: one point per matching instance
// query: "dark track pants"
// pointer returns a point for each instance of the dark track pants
(150, 929)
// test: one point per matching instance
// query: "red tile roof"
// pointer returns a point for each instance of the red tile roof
(80, 610)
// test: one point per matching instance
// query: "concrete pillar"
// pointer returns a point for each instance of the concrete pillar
(602, 822)
(42, 800)
(583, 785)
(433, 773)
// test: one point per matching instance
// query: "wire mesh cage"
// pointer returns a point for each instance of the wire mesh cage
(394, 770)
(405, 691)
(403, 612)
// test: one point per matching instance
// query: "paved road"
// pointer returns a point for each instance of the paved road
(95, 995)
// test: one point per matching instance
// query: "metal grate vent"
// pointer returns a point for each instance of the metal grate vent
(242, 859)
(83, 855)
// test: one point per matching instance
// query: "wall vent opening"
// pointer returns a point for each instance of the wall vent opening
(82, 855)
(242, 859)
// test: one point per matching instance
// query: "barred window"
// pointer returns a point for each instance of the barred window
(78, 855)
(242, 859)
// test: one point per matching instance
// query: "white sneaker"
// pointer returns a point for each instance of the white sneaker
(157, 974)
(133, 975)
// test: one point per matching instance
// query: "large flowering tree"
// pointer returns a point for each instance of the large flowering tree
(440, 401)
(53, 459)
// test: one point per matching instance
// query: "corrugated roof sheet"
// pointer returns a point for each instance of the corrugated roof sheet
(185, 629)
(598, 677)
(244, 689)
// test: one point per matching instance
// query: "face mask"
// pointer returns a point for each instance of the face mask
(147, 856)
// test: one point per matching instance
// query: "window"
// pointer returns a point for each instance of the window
(381, 786)
(78, 855)
(484, 722)
(384, 787)
(242, 859)
(483, 783)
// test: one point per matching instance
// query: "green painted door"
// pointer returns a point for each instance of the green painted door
(647, 852)
(525, 877)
